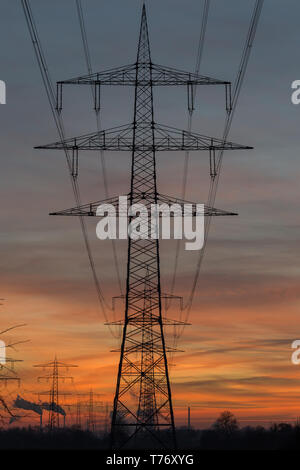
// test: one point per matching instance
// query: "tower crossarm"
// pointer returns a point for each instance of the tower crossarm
(61, 392)
(179, 205)
(138, 321)
(191, 208)
(126, 75)
(167, 76)
(48, 377)
(5, 378)
(166, 138)
(58, 364)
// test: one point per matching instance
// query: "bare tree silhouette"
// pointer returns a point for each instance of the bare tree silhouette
(226, 423)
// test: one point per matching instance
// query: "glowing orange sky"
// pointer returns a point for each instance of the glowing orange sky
(235, 358)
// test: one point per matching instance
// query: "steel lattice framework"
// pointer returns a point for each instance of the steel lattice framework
(54, 377)
(143, 393)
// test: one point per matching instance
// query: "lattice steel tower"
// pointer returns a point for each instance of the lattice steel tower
(54, 377)
(143, 394)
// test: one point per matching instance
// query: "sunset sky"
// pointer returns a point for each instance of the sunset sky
(236, 355)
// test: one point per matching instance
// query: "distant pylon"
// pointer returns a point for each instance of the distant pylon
(91, 419)
(88, 407)
(78, 414)
(54, 403)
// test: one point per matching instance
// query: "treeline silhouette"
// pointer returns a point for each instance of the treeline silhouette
(225, 434)
(280, 436)
(35, 438)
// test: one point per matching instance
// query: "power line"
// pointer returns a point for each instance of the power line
(215, 179)
(98, 121)
(190, 123)
(60, 128)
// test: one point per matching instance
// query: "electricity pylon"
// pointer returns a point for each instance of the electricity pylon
(91, 420)
(78, 414)
(54, 377)
(143, 400)
(89, 407)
